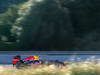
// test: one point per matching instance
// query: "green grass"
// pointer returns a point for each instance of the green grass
(72, 69)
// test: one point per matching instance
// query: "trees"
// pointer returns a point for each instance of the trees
(7, 20)
(46, 27)
(52, 24)
(85, 21)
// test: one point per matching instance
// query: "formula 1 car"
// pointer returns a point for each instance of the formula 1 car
(28, 61)
(32, 61)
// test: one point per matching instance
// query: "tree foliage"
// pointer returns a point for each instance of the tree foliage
(52, 24)
(47, 26)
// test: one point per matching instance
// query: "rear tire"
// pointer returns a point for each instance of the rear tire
(20, 64)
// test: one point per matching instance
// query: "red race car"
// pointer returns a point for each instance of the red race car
(34, 61)
(28, 61)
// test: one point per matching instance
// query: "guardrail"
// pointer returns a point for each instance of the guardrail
(49, 52)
